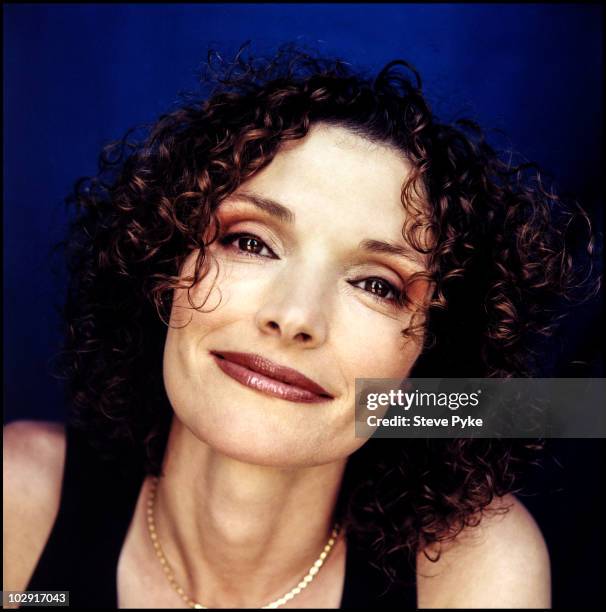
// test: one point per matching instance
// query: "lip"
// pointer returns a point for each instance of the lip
(264, 375)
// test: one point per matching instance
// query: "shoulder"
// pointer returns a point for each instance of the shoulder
(33, 459)
(501, 563)
(33, 453)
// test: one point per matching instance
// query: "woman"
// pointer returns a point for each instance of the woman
(232, 275)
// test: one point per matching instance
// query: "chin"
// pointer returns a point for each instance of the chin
(268, 435)
(260, 445)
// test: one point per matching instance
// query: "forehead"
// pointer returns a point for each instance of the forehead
(337, 165)
(338, 185)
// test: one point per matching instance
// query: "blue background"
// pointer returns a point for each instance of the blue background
(77, 76)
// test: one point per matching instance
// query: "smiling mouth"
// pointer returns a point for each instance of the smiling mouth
(266, 384)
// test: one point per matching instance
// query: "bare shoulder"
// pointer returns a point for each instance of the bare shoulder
(33, 459)
(501, 563)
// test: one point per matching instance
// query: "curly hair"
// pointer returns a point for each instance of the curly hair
(501, 260)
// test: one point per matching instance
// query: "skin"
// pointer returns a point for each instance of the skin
(249, 480)
(246, 471)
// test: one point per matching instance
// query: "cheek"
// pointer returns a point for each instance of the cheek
(370, 344)
(222, 298)
(221, 285)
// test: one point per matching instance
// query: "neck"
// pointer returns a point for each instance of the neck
(238, 534)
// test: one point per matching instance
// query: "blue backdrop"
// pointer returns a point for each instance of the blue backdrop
(77, 76)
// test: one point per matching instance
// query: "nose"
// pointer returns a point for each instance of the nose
(295, 309)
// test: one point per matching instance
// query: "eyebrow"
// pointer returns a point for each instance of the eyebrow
(271, 207)
(284, 214)
(388, 248)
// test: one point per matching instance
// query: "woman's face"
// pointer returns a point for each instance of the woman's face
(296, 287)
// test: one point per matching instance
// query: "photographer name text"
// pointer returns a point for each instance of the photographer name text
(420, 421)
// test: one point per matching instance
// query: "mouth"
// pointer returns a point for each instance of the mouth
(259, 373)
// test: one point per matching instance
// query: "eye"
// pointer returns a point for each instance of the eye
(247, 244)
(380, 289)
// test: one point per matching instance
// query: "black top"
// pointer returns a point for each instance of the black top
(97, 505)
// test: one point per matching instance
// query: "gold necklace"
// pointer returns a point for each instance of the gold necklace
(311, 574)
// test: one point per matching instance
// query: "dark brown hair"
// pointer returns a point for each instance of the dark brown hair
(501, 262)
